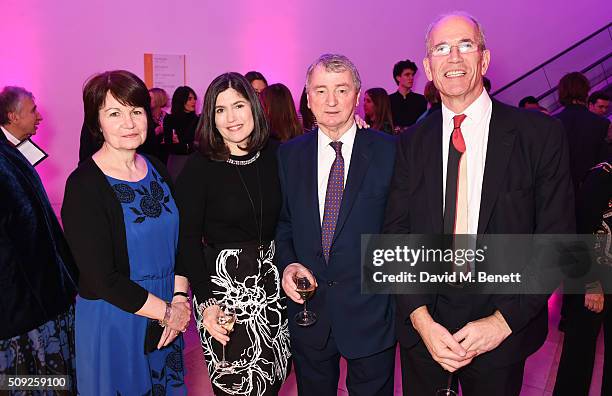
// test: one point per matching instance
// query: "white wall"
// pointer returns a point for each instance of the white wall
(51, 47)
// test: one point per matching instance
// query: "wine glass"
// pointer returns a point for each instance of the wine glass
(226, 318)
(306, 291)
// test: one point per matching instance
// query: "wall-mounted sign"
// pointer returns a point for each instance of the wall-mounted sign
(164, 71)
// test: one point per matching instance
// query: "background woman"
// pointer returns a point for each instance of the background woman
(179, 128)
(306, 116)
(159, 101)
(377, 109)
(122, 226)
(280, 111)
(257, 81)
(229, 196)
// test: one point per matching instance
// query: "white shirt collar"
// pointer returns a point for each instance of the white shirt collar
(347, 138)
(10, 136)
(474, 112)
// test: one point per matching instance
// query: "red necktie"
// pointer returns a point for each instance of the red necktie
(456, 200)
(333, 199)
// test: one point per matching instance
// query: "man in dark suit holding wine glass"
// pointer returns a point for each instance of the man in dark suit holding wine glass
(517, 182)
(334, 184)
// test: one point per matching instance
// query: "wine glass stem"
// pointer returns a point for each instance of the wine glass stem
(224, 353)
(305, 307)
(450, 380)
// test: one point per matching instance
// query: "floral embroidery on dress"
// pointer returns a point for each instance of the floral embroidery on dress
(152, 200)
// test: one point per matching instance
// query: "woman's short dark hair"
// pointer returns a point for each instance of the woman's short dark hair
(573, 88)
(211, 141)
(179, 98)
(280, 111)
(125, 86)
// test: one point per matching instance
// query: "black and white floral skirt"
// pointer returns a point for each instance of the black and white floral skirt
(246, 278)
(45, 350)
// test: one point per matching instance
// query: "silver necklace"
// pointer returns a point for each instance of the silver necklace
(243, 162)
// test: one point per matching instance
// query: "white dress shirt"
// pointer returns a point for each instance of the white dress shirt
(10, 137)
(475, 130)
(325, 159)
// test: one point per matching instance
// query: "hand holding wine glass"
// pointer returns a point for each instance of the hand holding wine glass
(306, 290)
(226, 318)
(288, 282)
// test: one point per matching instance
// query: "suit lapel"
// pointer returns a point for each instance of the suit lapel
(310, 160)
(360, 160)
(432, 144)
(499, 149)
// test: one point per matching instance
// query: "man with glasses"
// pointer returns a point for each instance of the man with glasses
(476, 167)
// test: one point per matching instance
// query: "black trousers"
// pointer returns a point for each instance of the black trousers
(423, 376)
(579, 344)
(318, 370)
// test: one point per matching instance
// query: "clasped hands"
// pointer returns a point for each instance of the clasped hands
(178, 321)
(454, 351)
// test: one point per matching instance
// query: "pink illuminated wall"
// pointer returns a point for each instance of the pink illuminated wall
(51, 47)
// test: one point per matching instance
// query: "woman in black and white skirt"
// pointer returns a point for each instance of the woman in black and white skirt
(229, 200)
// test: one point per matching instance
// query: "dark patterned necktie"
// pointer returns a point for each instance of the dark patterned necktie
(333, 199)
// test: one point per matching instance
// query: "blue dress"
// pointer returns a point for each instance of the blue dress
(110, 356)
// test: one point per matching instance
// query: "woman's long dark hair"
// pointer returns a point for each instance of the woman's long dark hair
(308, 119)
(280, 111)
(179, 98)
(383, 120)
(211, 141)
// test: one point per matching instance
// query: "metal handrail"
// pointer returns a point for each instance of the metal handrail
(583, 71)
(554, 58)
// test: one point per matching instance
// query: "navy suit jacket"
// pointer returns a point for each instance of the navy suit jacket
(526, 189)
(362, 325)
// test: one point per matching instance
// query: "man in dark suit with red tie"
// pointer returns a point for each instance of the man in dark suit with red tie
(476, 167)
(334, 184)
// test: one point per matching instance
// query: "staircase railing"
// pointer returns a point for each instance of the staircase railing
(592, 56)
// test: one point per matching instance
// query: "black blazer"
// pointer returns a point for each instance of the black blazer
(362, 324)
(526, 190)
(37, 273)
(585, 134)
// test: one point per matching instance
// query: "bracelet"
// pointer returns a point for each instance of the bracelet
(207, 304)
(182, 294)
(166, 319)
(201, 308)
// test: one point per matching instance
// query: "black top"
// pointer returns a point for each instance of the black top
(95, 229)
(215, 208)
(185, 126)
(585, 134)
(407, 110)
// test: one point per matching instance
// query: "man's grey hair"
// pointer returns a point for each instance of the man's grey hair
(335, 63)
(10, 102)
(480, 36)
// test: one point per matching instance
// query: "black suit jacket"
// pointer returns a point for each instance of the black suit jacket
(362, 324)
(585, 134)
(526, 190)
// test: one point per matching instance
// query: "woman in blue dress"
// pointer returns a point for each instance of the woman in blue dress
(121, 223)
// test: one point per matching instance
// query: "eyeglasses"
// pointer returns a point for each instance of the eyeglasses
(464, 47)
